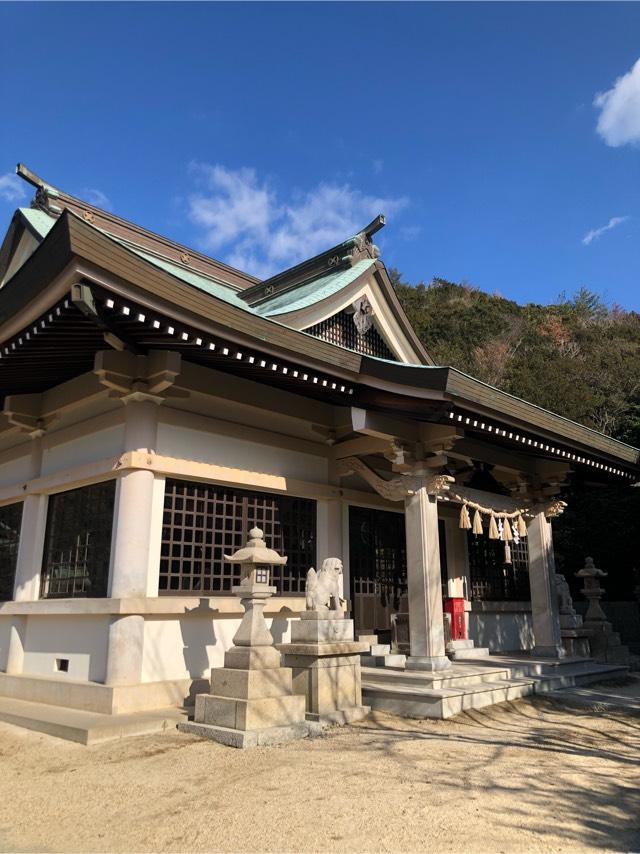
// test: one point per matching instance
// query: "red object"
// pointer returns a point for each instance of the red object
(455, 607)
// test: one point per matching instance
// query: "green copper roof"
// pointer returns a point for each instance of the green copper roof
(197, 280)
(40, 221)
(312, 292)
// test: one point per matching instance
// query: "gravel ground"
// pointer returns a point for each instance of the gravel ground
(533, 775)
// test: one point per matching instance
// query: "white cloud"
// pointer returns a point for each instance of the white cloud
(12, 188)
(619, 119)
(96, 198)
(256, 230)
(595, 233)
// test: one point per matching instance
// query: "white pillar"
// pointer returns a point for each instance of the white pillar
(15, 655)
(125, 650)
(544, 599)
(426, 622)
(329, 534)
(26, 586)
(135, 550)
(137, 522)
(30, 548)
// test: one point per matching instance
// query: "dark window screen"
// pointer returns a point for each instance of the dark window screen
(203, 522)
(10, 521)
(377, 554)
(77, 545)
(491, 578)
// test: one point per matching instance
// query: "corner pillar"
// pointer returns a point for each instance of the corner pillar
(30, 548)
(135, 548)
(125, 650)
(17, 635)
(426, 620)
(138, 512)
(544, 600)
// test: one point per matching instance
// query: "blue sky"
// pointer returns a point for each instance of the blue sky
(501, 140)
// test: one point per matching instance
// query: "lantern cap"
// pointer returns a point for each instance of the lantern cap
(590, 570)
(256, 551)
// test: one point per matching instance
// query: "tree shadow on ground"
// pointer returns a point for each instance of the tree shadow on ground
(591, 797)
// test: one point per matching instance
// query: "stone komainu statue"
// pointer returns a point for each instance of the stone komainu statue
(323, 588)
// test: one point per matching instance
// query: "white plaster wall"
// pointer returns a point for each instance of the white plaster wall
(507, 631)
(5, 628)
(84, 449)
(83, 640)
(189, 646)
(196, 445)
(16, 471)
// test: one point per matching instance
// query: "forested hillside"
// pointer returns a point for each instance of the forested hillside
(577, 357)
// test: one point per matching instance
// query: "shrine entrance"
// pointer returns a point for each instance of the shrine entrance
(378, 568)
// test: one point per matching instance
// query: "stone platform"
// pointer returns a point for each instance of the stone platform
(476, 683)
(86, 727)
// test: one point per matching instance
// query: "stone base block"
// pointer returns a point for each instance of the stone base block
(380, 649)
(570, 621)
(233, 713)
(474, 652)
(251, 684)
(325, 614)
(252, 658)
(427, 662)
(327, 682)
(459, 644)
(266, 737)
(548, 652)
(339, 717)
(368, 639)
(321, 631)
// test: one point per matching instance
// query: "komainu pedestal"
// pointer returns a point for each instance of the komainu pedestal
(323, 656)
(252, 701)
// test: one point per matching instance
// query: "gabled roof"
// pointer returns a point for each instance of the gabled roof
(149, 301)
(293, 290)
(312, 291)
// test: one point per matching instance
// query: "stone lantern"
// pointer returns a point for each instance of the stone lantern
(592, 591)
(251, 701)
(606, 646)
(256, 561)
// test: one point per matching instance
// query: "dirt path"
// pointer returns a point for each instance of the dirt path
(524, 776)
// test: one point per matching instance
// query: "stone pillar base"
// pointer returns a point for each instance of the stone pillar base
(327, 676)
(549, 651)
(427, 662)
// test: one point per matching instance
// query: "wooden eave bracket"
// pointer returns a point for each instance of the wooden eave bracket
(398, 488)
(131, 377)
(24, 411)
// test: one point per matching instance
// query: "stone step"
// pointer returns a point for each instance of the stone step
(454, 677)
(419, 694)
(86, 727)
(416, 702)
(471, 653)
(370, 639)
(521, 667)
(380, 649)
(460, 644)
(394, 659)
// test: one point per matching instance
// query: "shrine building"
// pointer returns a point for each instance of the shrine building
(156, 404)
